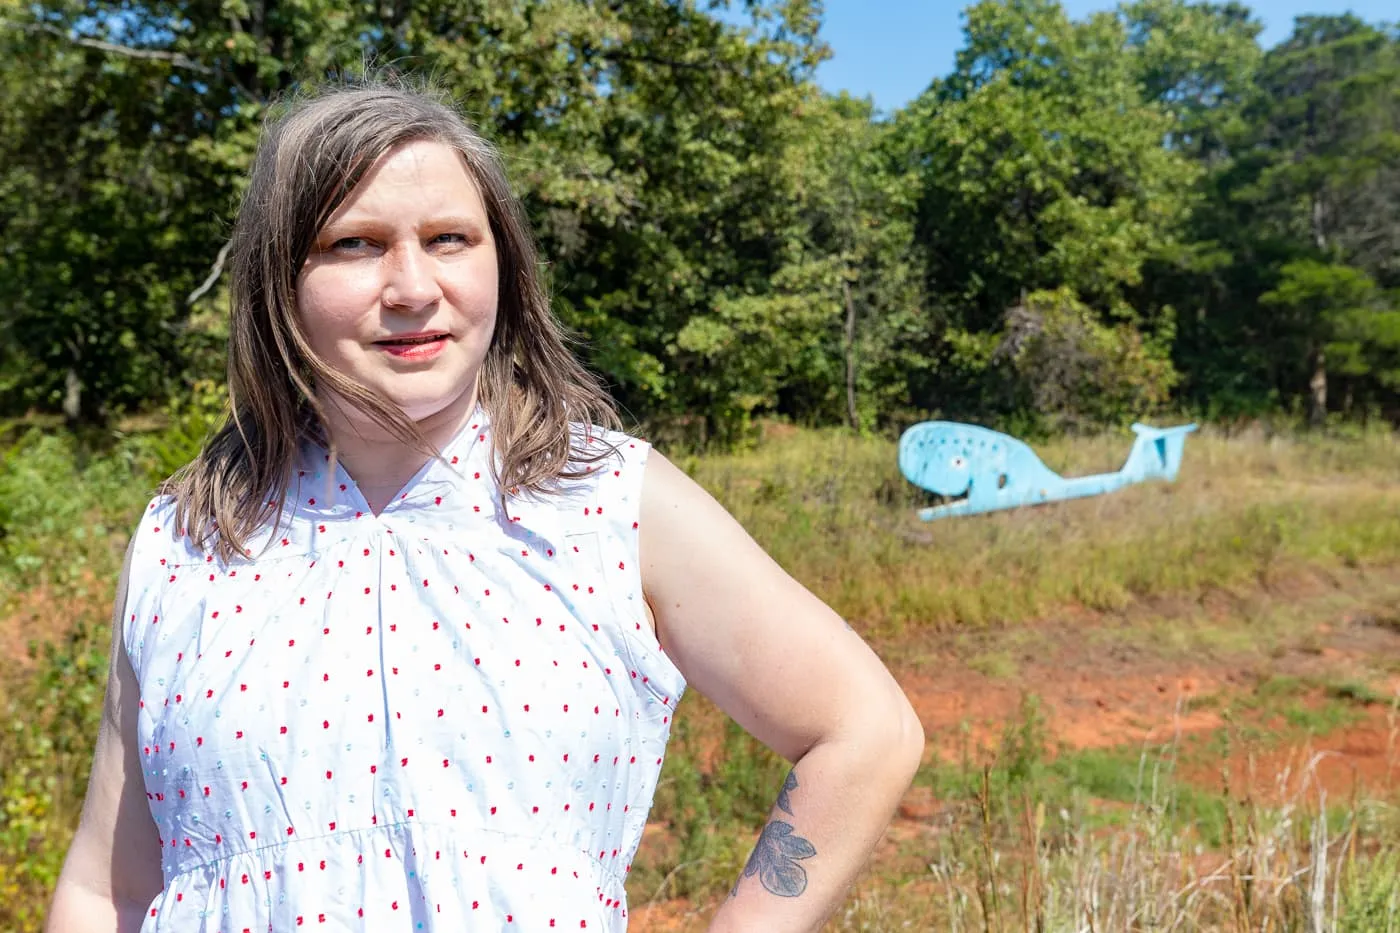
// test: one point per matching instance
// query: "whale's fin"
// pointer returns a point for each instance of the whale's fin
(1156, 452)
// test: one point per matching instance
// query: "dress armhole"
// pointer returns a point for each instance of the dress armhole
(121, 621)
(137, 586)
(620, 494)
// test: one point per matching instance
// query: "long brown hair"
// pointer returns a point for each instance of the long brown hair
(311, 156)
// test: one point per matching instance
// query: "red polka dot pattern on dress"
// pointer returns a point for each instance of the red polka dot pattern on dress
(406, 752)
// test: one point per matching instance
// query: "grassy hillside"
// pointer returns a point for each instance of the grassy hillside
(1268, 577)
(835, 512)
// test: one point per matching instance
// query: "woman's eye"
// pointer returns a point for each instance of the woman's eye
(348, 242)
(453, 239)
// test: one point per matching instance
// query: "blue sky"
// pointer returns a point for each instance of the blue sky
(891, 49)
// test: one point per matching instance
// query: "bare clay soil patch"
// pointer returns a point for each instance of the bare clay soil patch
(1103, 680)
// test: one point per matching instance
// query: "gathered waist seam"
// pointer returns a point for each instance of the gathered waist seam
(597, 866)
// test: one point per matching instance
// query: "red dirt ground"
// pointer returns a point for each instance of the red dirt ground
(38, 614)
(1093, 701)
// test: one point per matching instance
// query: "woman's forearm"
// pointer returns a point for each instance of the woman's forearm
(833, 807)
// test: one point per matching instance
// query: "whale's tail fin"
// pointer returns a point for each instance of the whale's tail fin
(1156, 452)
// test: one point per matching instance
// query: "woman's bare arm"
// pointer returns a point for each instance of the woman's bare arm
(791, 672)
(113, 867)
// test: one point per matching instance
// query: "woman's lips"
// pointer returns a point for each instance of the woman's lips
(414, 348)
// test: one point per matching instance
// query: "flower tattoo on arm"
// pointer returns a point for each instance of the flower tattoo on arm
(776, 855)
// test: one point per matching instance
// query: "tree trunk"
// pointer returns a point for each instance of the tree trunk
(72, 397)
(73, 383)
(1317, 385)
(1317, 390)
(850, 349)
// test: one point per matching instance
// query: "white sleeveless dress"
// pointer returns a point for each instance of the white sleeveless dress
(447, 717)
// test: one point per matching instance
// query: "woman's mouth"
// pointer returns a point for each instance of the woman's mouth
(410, 340)
(414, 346)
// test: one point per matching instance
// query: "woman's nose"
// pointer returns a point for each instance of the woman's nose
(410, 283)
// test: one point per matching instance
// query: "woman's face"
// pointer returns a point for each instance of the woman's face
(399, 290)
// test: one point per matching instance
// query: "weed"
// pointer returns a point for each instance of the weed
(1320, 719)
(49, 724)
(1357, 692)
(715, 791)
(1277, 687)
(997, 665)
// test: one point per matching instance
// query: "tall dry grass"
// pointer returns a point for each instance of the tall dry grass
(833, 510)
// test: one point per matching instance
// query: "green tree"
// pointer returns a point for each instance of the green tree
(830, 341)
(660, 181)
(1329, 137)
(1341, 319)
(127, 129)
(1197, 61)
(1074, 371)
(1044, 168)
(1307, 174)
(648, 139)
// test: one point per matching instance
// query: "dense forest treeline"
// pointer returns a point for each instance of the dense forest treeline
(1085, 221)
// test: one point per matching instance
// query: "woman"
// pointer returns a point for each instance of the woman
(388, 653)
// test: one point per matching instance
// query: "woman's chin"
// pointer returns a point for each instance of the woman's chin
(438, 409)
(431, 409)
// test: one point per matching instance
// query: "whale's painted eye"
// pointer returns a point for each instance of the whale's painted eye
(959, 463)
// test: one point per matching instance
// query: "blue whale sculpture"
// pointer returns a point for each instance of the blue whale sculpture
(992, 471)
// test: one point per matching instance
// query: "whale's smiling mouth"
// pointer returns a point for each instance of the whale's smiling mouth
(948, 491)
(939, 499)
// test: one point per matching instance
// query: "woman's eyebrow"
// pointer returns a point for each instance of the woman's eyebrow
(454, 220)
(352, 221)
(348, 222)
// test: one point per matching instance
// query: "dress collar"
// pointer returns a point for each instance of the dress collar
(458, 480)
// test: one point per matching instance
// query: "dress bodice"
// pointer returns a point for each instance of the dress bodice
(448, 716)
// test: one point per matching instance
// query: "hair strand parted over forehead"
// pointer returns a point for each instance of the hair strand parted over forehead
(314, 151)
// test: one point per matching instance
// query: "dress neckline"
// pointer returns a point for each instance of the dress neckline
(343, 492)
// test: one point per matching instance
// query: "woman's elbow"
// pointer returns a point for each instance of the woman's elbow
(893, 740)
(907, 747)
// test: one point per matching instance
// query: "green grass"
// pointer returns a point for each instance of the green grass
(833, 510)
(1356, 692)
(997, 665)
(65, 510)
(1250, 622)
(1310, 706)
(1320, 719)
(1102, 786)
(1281, 687)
